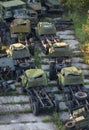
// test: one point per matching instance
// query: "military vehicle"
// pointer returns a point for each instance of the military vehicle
(20, 26)
(46, 32)
(33, 16)
(36, 6)
(20, 29)
(61, 23)
(21, 56)
(18, 51)
(34, 81)
(9, 8)
(69, 75)
(60, 57)
(71, 81)
(6, 74)
(53, 6)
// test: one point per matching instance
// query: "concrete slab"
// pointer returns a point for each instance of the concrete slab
(52, 82)
(80, 65)
(59, 97)
(45, 60)
(13, 99)
(86, 86)
(29, 126)
(67, 37)
(45, 67)
(86, 72)
(19, 118)
(76, 59)
(14, 108)
(86, 80)
(72, 43)
(76, 51)
(65, 32)
(55, 89)
(41, 54)
(62, 106)
(47, 72)
(64, 116)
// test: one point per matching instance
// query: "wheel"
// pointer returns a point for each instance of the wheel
(35, 108)
(56, 105)
(81, 95)
(24, 65)
(70, 125)
(59, 85)
(23, 88)
(52, 72)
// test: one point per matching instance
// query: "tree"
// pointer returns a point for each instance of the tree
(75, 5)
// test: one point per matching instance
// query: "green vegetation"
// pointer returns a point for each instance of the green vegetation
(78, 23)
(47, 119)
(37, 58)
(57, 122)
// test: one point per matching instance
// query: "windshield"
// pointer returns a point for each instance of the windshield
(8, 14)
(20, 11)
(33, 1)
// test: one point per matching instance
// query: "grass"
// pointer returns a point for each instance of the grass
(47, 119)
(15, 112)
(14, 103)
(55, 119)
(37, 58)
(79, 20)
(86, 83)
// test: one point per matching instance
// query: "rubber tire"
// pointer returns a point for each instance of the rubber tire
(70, 125)
(57, 106)
(35, 108)
(82, 97)
(52, 72)
(24, 65)
(59, 85)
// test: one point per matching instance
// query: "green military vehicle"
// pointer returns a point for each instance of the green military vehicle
(18, 51)
(69, 75)
(53, 6)
(45, 28)
(36, 6)
(60, 57)
(46, 31)
(34, 82)
(33, 16)
(34, 78)
(71, 82)
(21, 57)
(20, 26)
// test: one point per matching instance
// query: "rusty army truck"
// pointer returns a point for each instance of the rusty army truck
(34, 82)
(60, 56)
(71, 81)
(21, 57)
(46, 33)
